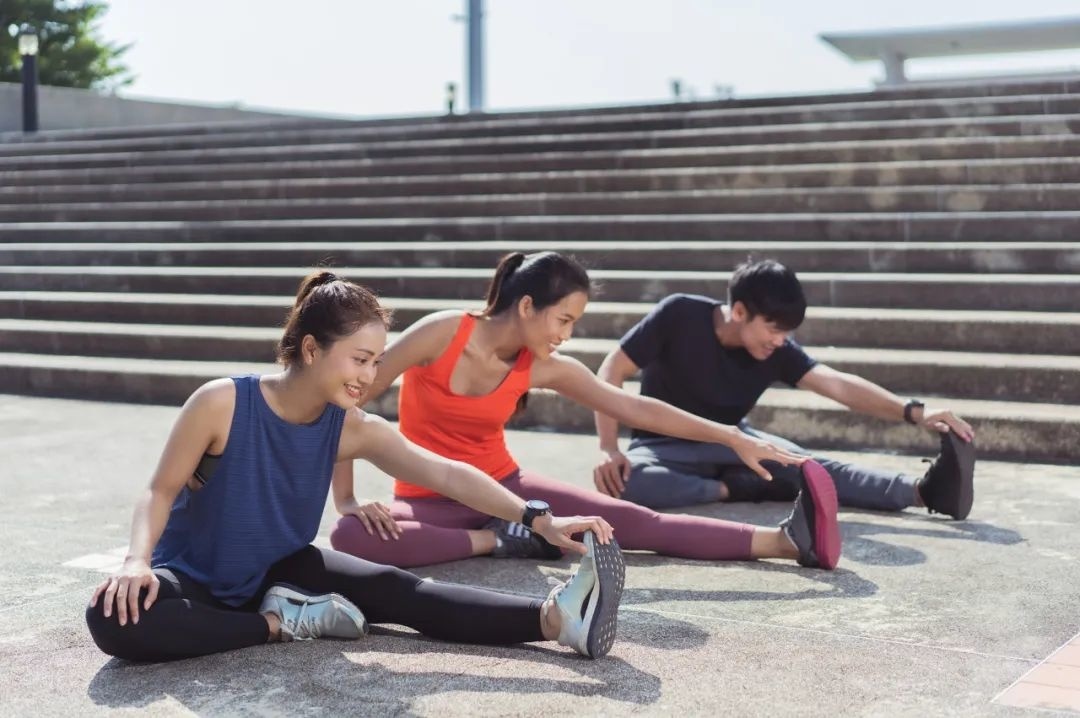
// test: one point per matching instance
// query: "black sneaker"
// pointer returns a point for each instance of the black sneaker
(948, 485)
(812, 525)
(515, 540)
(743, 484)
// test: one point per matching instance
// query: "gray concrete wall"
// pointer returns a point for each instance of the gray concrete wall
(63, 108)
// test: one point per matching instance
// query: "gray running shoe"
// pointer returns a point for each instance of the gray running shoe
(589, 602)
(305, 616)
(514, 540)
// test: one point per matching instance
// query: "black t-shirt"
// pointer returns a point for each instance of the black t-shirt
(684, 364)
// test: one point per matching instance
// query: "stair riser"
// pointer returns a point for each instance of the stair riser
(455, 129)
(1008, 337)
(998, 438)
(888, 258)
(984, 227)
(991, 128)
(659, 181)
(1046, 199)
(1003, 384)
(1033, 295)
(704, 157)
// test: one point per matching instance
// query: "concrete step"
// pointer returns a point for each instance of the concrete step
(964, 198)
(765, 158)
(816, 227)
(1037, 378)
(993, 127)
(926, 329)
(268, 135)
(941, 174)
(1012, 292)
(922, 257)
(1047, 88)
(1018, 431)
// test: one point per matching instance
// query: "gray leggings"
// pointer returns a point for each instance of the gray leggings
(670, 472)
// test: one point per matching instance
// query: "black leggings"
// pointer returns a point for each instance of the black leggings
(187, 621)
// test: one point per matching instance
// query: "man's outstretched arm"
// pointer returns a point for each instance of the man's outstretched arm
(866, 397)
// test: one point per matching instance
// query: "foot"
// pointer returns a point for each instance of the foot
(588, 603)
(812, 525)
(514, 540)
(305, 616)
(948, 486)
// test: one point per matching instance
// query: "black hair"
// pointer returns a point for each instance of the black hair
(769, 289)
(328, 308)
(547, 277)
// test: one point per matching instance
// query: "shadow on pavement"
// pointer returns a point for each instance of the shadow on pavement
(354, 678)
(839, 583)
(859, 547)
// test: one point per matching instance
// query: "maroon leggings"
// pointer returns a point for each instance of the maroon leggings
(435, 530)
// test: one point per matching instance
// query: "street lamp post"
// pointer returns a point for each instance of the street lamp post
(28, 48)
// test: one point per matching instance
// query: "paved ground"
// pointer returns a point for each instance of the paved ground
(923, 616)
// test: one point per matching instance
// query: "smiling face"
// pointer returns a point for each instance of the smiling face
(759, 336)
(346, 368)
(545, 329)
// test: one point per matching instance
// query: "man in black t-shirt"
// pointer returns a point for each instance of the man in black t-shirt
(715, 360)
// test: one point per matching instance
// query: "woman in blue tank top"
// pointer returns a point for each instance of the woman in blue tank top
(220, 554)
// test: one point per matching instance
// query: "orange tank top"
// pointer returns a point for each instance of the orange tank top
(463, 428)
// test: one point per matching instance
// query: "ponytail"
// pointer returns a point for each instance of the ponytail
(503, 274)
(547, 277)
(313, 281)
(328, 308)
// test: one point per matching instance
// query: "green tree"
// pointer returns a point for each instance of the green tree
(71, 54)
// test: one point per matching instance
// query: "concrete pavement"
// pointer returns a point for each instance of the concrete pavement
(924, 616)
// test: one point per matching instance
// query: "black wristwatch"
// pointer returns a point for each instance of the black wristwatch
(534, 508)
(911, 404)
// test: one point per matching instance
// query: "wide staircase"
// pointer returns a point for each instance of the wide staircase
(936, 230)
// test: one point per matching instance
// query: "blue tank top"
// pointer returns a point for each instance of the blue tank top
(264, 500)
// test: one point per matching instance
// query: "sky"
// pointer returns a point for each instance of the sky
(366, 58)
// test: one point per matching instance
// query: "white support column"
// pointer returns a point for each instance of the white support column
(894, 67)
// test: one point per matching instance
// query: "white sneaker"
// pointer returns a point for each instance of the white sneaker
(305, 616)
(589, 602)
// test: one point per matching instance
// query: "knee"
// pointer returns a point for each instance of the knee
(348, 535)
(656, 488)
(112, 638)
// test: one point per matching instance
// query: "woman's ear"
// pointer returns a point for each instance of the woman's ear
(308, 347)
(525, 307)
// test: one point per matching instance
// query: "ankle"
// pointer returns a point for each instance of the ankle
(771, 543)
(273, 626)
(550, 620)
(481, 542)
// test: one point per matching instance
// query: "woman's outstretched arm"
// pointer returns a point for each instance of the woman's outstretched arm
(372, 438)
(573, 380)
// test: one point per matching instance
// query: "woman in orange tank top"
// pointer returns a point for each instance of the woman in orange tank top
(465, 375)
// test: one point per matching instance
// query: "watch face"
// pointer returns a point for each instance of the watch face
(537, 506)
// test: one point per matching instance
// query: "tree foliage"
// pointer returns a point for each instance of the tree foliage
(71, 54)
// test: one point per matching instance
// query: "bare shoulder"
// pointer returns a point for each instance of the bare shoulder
(359, 432)
(555, 370)
(424, 341)
(438, 327)
(213, 397)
